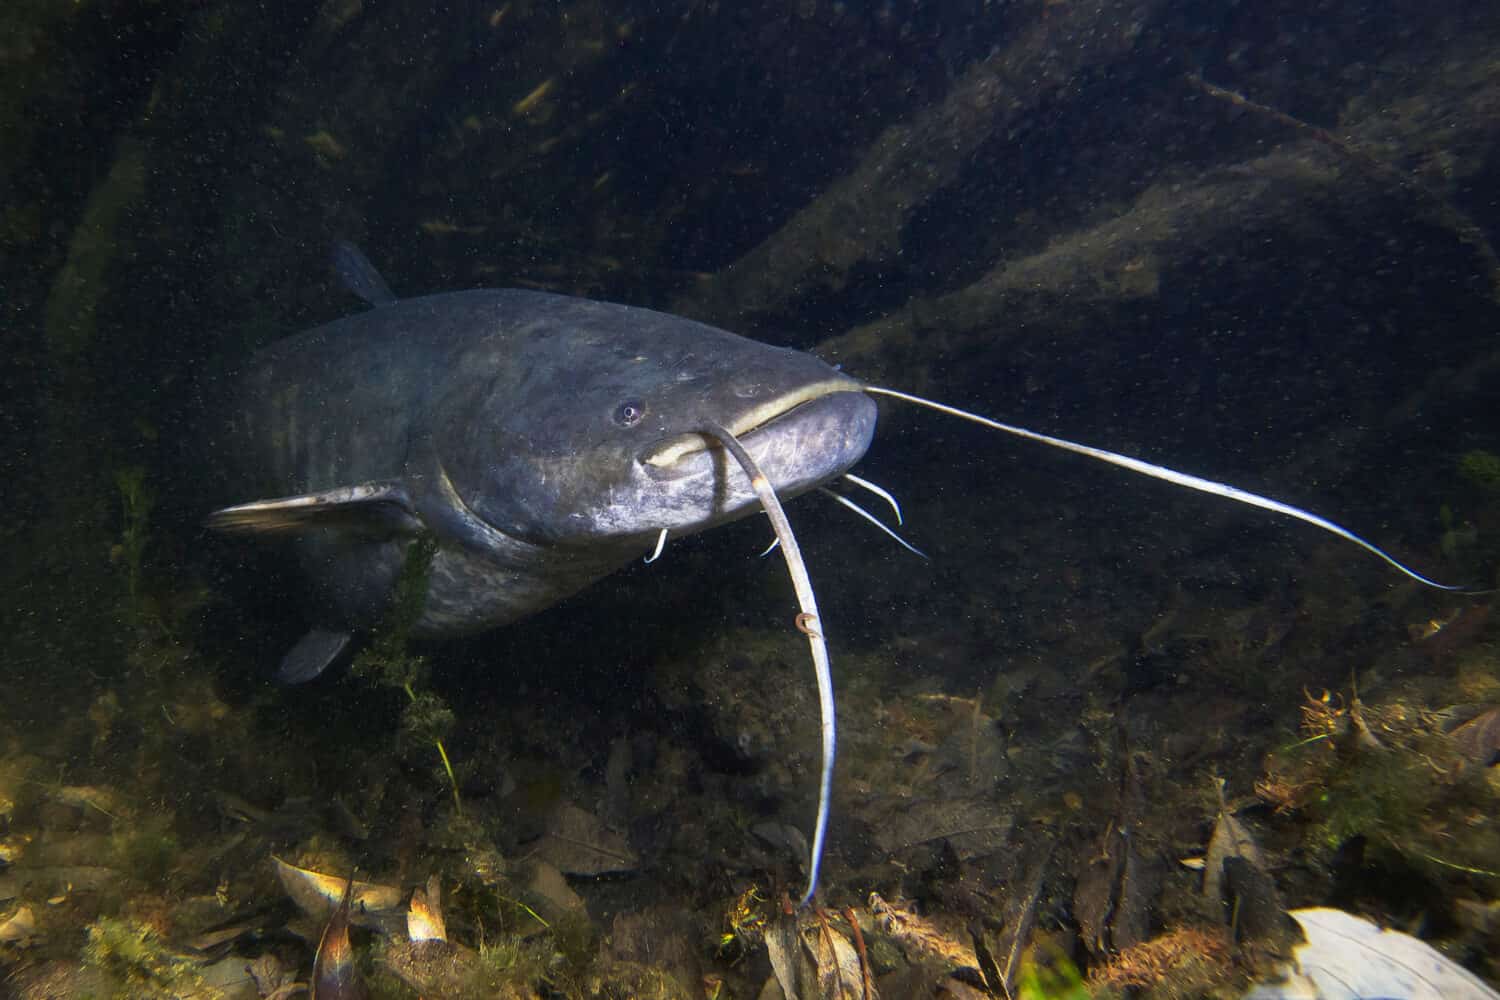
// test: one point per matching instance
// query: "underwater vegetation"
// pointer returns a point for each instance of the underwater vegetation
(134, 962)
(1481, 469)
(1405, 787)
(1019, 840)
(136, 499)
(1102, 744)
(387, 660)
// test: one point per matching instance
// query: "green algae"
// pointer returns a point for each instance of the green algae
(388, 660)
(1482, 470)
(136, 501)
(1408, 796)
(138, 964)
(148, 849)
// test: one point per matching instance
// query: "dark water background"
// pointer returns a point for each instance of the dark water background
(1252, 241)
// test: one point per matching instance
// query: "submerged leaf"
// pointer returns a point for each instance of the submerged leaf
(840, 975)
(1259, 915)
(1092, 898)
(335, 971)
(424, 914)
(792, 970)
(1230, 840)
(1479, 738)
(923, 940)
(1115, 894)
(976, 827)
(19, 929)
(578, 843)
(318, 895)
(1349, 958)
(1018, 918)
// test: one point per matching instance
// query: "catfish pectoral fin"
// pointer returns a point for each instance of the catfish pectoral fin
(311, 656)
(379, 509)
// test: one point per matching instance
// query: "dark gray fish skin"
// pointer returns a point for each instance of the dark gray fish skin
(543, 440)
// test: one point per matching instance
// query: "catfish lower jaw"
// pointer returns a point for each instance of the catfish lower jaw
(835, 420)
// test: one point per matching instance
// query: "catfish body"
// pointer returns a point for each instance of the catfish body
(542, 442)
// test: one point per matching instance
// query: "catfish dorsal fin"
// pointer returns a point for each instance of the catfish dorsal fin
(359, 275)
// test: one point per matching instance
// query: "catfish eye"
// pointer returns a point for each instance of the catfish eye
(629, 413)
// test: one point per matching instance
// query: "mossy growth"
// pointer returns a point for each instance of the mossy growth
(508, 954)
(1049, 974)
(383, 984)
(147, 850)
(427, 718)
(507, 966)
(576, 939)
(1474, 536)
(388, 660)
(138, 963)
(637, 981)
(1376, 794)
(1410, 796)
(1481, 469)
(137, 500)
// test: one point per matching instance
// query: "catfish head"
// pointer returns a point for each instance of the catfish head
(558, 453)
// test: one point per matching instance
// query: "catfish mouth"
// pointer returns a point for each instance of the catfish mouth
(674, 455)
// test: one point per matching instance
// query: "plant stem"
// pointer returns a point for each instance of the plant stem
(443, 753)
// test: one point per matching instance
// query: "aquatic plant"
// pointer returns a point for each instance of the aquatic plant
(148, 849)
(508, 959)
(1183, 962)
(138, 963)
(136, 501)
(1052, 976)
(389, 661)
(504, 954)
(1406, 792)
(1482, 470)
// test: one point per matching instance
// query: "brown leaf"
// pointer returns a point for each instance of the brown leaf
(317, 894)
(1230, 840)
(1115, 895)
(578, 843)
(1019, 918)
(974, 826)
(923, 939)
(19, 929)
(1479, 738)
(838, 967)
(791, 967)
(1094, 894)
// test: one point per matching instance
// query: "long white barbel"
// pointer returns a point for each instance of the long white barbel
(861, 512)
(1177, 478)
(810, 625)
(879, 491)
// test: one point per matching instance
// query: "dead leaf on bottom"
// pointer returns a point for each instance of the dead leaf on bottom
(19, 929)
(974, 826)
(1230, 840)
(578, 843)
